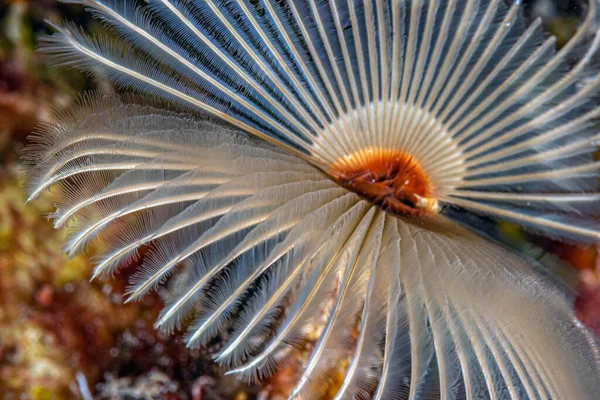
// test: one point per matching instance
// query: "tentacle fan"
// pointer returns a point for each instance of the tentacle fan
(324, 208)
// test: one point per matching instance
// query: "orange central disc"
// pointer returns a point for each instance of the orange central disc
(393, 180)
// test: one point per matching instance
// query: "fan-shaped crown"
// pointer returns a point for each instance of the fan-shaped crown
(327, 227)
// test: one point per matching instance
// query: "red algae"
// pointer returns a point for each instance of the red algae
(391, 179)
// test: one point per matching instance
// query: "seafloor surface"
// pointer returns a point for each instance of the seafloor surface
(59, 333)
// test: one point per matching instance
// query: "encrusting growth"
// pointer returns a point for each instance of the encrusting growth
(364, 141)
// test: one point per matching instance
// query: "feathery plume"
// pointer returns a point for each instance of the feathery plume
(354, 135)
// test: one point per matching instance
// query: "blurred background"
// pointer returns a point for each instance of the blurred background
(63, 337)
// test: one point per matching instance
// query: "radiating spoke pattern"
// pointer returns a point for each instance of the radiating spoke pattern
(415, 308)
(484, 101)
(260, 229)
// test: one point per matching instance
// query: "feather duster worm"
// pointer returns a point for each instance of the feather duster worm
(355, 128)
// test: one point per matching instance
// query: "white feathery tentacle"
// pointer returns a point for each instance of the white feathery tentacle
(308, 301)
(220, 230)
(303, 218)
(310, 225)
(548, 379)
(352, 288)
(362, 373)
(421, 335)
(395, 355)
